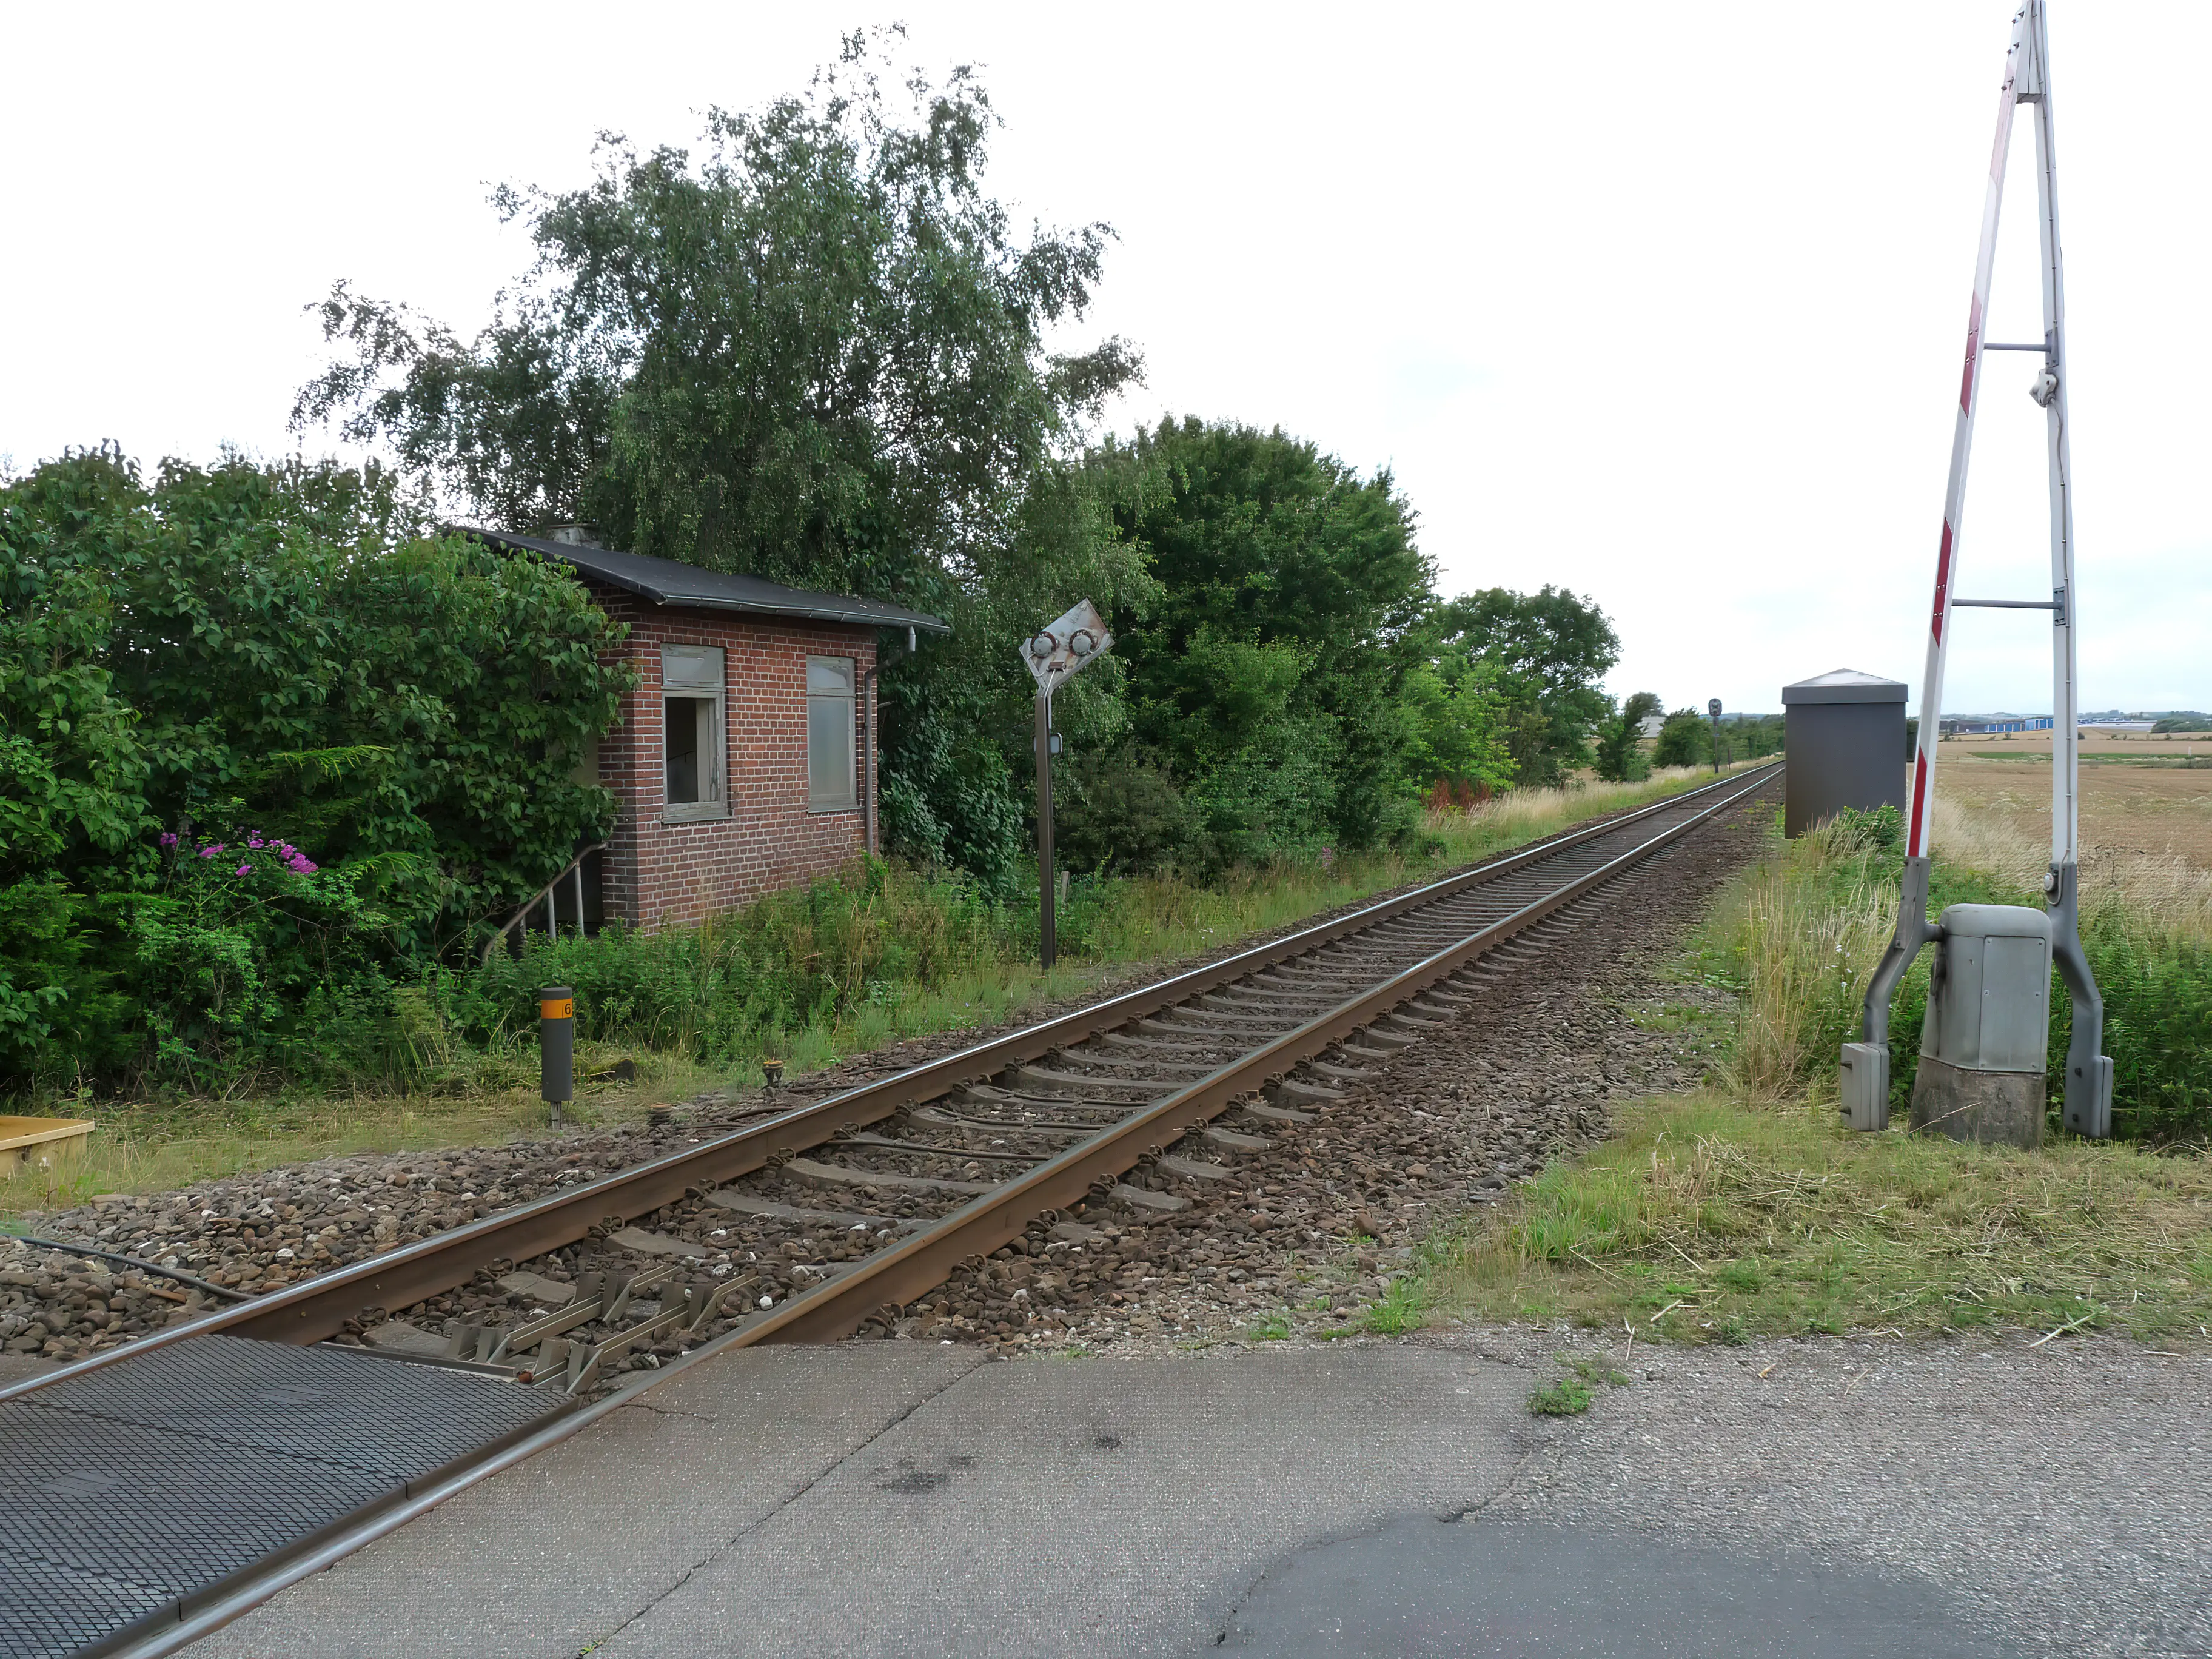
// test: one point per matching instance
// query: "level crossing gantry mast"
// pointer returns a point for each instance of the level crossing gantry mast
(2088, 1097)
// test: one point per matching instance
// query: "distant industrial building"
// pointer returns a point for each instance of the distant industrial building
(1975, 725)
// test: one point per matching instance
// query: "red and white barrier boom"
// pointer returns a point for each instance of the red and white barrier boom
(1865, 1085)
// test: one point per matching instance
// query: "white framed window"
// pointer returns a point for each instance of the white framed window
(694, 733)
(829, 770)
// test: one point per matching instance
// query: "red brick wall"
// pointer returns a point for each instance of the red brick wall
(654, 873)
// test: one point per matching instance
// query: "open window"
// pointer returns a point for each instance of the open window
(829, 769)
(695, 743)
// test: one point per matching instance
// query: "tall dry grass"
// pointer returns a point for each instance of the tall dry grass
(2156, 893)
(1809, 929)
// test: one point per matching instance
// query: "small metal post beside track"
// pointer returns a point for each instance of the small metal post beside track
(557, 1049)
(1048, 950)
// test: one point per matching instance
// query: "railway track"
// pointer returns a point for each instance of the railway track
(157, 1489)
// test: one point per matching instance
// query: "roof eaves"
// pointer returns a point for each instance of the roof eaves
(617, 570)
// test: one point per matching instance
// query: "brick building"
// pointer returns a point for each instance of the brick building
(744, 759)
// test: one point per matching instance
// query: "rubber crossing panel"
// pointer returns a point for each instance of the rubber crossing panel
(133, 1494)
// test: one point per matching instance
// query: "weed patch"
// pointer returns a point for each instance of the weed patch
(1568, 1397)
(1403, 1308)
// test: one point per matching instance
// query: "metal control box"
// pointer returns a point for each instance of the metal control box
(1844, 734)
(1985, 1044)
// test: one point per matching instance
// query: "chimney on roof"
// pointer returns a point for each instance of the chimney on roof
(577, 535)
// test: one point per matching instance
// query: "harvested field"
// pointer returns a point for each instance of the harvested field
(2138, 796)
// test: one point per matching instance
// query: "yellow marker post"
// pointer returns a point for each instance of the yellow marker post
(556, 1048)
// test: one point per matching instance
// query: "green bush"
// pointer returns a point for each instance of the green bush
(1119, 812)
(1685, 740)
(251, 657)
(1619, 753)
(2157, 1027)
(1879, 830)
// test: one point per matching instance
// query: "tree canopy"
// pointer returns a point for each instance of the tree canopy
(1548, 649)
(815, 351)
(815, 347)
(1281, 683)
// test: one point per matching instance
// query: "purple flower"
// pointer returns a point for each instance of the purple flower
(253, 841)
(245, 869)
(169, 838)
(211, 851)
(303, 864)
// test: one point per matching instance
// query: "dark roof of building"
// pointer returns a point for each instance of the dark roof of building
(664, 581)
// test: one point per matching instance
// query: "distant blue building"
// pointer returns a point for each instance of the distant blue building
(1975, 725)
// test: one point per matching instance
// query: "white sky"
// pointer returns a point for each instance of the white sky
(1664, 303)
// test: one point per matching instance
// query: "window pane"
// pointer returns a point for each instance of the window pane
(828, 752)
(691, 668)
(830, 674)
(684, 724)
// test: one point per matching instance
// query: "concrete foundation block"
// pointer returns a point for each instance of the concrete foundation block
(1995, 1109)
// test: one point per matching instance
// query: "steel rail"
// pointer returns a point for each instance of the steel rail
(320, 1307)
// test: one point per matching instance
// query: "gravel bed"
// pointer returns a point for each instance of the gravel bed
(1296, 1241)
(258, 1233)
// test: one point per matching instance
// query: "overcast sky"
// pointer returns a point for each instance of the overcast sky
(1662, 303)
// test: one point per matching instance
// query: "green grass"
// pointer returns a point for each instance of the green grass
(1404, 1307)
(157, 1146)
(1568, 1397)
(1712, 1218)
(1275, 1328)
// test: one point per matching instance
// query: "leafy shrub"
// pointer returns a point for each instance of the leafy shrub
(244, 654)
(1120, 813)
(2158, 1025)
(1683, 740)
(1619, 753)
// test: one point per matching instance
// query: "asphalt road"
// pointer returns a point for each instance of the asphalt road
(898, 1498)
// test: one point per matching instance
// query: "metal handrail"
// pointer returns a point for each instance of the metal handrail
(545, 895)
